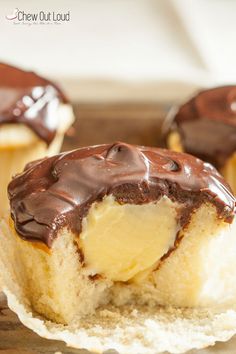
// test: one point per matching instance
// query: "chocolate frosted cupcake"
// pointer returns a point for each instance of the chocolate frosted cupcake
(121, 224)
(205, 126)
(34, 116)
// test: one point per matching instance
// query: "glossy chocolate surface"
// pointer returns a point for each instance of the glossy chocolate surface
(207, 124)
(56, 192)
(29, 99)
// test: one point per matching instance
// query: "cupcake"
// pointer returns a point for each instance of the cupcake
(121, 224)
(205, 126)
(34, 116)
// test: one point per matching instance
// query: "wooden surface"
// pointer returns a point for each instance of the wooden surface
(135, 123)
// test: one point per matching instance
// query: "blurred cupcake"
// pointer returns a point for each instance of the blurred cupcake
(205, 126)
(34, 116)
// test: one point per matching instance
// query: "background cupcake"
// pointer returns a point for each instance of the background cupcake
(34, 116)
(205, 126)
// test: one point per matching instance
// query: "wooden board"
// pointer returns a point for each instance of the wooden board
(135, 123)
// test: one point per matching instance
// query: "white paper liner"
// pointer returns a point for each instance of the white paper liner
(136, 331)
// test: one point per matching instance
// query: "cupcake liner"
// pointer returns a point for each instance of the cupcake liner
(128, 329)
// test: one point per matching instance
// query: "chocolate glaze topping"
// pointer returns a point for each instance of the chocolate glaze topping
(58, 191)
(29, 99)
(207, 124)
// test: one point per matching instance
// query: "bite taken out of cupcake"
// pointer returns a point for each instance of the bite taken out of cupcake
(205, 126)
(34, 116)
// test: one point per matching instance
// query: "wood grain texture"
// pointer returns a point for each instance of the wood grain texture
(105, 123)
